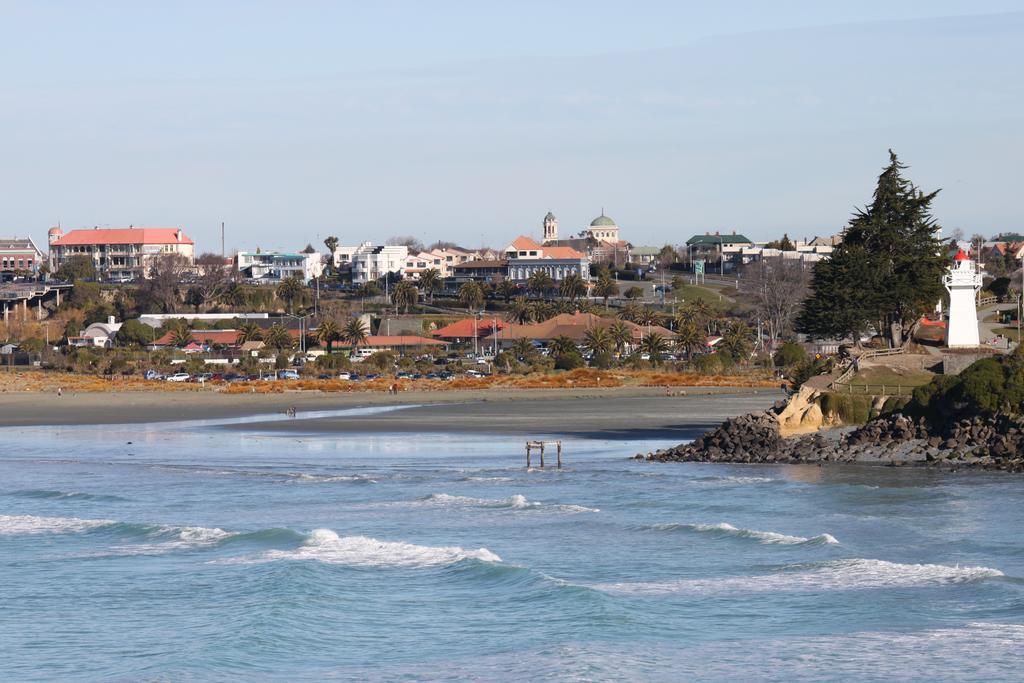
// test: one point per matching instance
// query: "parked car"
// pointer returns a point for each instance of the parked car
(178, 377)
(287, 374)
(474, 373)
(344, 375)
(153, 374)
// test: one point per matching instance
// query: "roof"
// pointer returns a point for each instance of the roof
(18, 244)
(1008, 237)
(524, 243)
(574, 326)
(549, 217)
(561, 252)
(698, 240)
(481, 263)
(961, 256)
(603, 221)
(645, 251)
(123, 236)
(400, 340)
(468, 328)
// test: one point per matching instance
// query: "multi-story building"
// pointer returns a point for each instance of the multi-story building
(20, 255)
(119, 253)
(443, 260)
(368, 262)
(525, 256)
(273, 266)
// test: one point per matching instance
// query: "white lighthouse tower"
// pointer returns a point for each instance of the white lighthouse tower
(962, 282)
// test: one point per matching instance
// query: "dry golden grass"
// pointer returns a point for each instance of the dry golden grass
(583, 378)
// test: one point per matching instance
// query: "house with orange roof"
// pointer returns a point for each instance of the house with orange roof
(572, 325)
(119, 254)
(469, 328)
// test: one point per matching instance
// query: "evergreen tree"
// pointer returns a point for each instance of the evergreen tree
(888, 269)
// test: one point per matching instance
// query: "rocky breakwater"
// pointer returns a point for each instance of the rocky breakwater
(993, 442)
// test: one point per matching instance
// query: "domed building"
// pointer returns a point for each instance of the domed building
(603, 228)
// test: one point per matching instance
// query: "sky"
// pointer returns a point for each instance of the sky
(468, 121)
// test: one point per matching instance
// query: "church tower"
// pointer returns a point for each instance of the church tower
(550, 228)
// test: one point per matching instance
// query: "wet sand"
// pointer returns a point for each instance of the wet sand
(597, 413)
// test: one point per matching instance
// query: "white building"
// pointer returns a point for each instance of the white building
(369, 262)
(525, 257)
(119, 253)
(963, 282)
(443, 260)
(274, 266)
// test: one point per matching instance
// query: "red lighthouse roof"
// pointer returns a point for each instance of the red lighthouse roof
(961, 256)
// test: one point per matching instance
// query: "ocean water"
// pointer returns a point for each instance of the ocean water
(187, 551)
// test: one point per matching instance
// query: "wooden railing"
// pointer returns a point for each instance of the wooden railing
(874, 389)
(988, 300)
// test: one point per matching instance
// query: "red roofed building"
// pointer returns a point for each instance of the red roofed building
(469, 328)
(525, 257)
(119, 253)
(398, 342)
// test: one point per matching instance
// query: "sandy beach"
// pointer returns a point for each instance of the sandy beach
(607, 413)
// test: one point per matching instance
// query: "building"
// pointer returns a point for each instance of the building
(368, 262)
(572, 325)
(481, 271)
(119, 254)
(525, 257)
(603, 228)
(20, 255)
(550, 228)
(644, 255)
(400, 344)
(468, 329)
(273, 266)
(443, 260)
(100, 335)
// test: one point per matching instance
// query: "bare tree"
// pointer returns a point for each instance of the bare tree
(161, 288)
(777, 287)
(213, 277)
(415, 246)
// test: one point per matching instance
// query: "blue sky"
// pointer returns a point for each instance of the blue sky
(468, 121)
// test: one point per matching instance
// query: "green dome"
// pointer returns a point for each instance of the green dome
(549, 217)
(602, 221)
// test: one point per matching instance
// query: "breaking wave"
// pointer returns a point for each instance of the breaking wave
(513, 502)
(724, 529)
(851, 574)
(18, 525)
(324, 545)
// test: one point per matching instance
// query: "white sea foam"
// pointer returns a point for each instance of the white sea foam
(167, 539)
(851, 574)
(329, 478)
(766, 537)
(324, 545)
(514, 502)
(16, 525)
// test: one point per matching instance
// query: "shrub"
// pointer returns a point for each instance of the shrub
(569, 360)
(849, 409)
(790, 354)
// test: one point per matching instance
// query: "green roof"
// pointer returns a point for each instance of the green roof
(550, 216)
(645, 251)
(1008, 237)
(602, 221)
(715, 240)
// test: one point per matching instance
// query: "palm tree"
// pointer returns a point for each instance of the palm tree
(471, 295)
(523, 348)
(235, 296)
(430, 282)
(289, 290)
(404, 294)
(598, 340)
(629, 312)
(645, 316)
(561, 345)
(354, 333)
(572, 287)
(278, 337)
(689, 338)
(654, 345)
(521, 311)
(701, 312)
(621, 335)
(247, 332)
(605, 287)
(540, 282)
(506, 289)
(328, 332)
(736, 341)
(181, 337)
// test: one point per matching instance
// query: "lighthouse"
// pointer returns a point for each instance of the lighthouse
(962, 282)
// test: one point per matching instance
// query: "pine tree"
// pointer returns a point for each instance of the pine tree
(888, 269)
